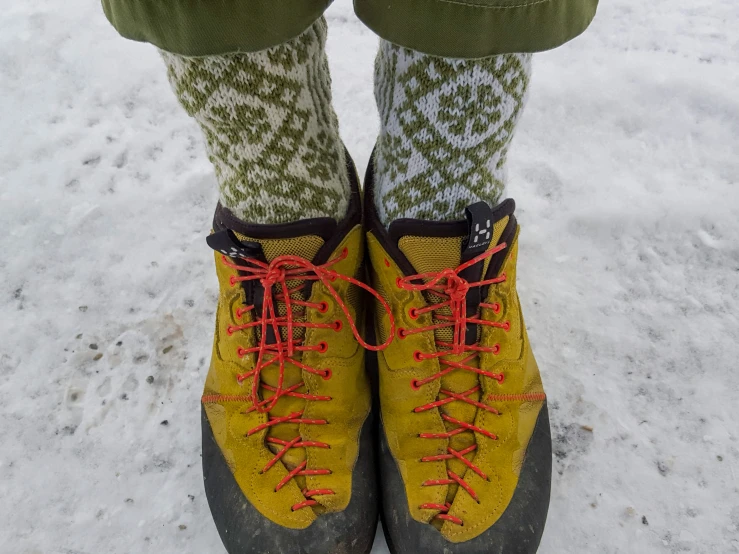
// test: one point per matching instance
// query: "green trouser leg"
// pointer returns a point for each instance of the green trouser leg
(448, 28)
(476, 28)
(211, 27)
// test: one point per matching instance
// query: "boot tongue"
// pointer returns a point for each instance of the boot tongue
(427, 248)
(432, 247)
(306, 246)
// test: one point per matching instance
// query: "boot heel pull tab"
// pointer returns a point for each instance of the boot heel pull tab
(479, 230)
(226, 242)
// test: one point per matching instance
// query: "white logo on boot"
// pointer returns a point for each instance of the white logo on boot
(480, 232)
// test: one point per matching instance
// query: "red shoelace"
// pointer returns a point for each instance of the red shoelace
(452, 289)
(276, 274)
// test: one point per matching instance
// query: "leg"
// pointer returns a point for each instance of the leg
(446, 125)
(269, 127)
(287, 457)
(465, 440)
(450, 82)
(266, 115)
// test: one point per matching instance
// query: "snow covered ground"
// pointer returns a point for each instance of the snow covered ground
(626, 174)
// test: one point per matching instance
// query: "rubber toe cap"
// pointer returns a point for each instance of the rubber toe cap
(519, 529)
(244, 530)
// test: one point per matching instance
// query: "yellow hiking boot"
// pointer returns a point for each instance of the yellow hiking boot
(465, 446)
(286, 419)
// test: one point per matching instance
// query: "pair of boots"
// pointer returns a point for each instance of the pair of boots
(308, 435)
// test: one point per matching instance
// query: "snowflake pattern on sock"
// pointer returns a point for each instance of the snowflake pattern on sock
(270, 129)
(446, 125)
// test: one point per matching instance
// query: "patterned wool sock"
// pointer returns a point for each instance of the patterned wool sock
(270, 129)
(446, 125)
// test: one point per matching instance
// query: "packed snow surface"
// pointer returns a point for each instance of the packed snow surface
(625, 170)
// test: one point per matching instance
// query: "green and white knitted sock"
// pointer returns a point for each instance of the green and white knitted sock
(270, 129)
(446, 125)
